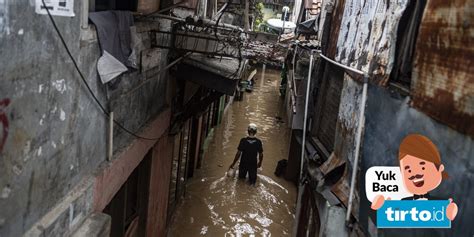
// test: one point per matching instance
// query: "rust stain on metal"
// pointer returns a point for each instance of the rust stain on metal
(368, 36)
(341, 189)
(443, 78)
(336, 21)
(191, 4)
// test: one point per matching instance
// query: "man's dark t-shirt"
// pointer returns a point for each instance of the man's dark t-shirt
(250, 147)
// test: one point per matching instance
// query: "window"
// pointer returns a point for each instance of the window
(179, 167)
(327, 108)
(128, 208)
(405, 46)
(174, 174)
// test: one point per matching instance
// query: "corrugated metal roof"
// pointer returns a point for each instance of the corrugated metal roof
(443, 75)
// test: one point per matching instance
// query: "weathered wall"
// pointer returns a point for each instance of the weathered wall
(348, 119)
(344, 143)
(55, 134)
(389, 118)
(50, 114)
(114, 174)
(159, 187)
(368, 34)
(443, 75)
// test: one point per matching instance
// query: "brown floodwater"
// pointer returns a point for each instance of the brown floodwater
(217, 205)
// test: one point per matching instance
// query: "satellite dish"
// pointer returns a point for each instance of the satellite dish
(277, 24)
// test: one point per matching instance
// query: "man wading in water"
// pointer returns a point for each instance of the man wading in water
(248, 150)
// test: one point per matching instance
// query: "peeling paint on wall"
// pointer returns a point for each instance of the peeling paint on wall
(39, 151)
(62, 115)
(4, 18)
(367, 35)
(17, 169)
(6, 192)
(60, 85)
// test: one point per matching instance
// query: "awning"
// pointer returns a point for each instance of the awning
(196, 106)
(309, 27)
(221, 75)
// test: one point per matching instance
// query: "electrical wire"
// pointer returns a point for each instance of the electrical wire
(102, 108)
(224, 44)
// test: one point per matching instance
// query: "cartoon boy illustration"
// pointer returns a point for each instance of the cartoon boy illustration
(422, 171)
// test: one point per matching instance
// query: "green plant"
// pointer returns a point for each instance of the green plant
(258, 15)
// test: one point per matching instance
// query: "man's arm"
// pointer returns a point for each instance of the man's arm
(237, 157)
(260, 154)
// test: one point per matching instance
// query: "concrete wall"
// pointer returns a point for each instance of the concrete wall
(55, 135)
(389, 118)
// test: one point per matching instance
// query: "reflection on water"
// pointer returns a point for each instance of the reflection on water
(217, 205)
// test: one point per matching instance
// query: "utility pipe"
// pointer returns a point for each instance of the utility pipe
(220, 11)
(294, 67)
(204, 15)
(357, 148)
(282, 31)
(358, 137)
(206, 22)
(341, 65)
(305, 118)
(85, 15)
(110, 150)
(223, 25)
(303, 148)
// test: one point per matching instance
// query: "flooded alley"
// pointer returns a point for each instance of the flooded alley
(217, 205)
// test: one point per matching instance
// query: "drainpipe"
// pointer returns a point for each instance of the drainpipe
(357, 148)
(110, 148)
(294, 68)
(85, 15)
(303, 143)
(285, 11)
(216, 15)
(359, 129)
(305, 118)
(204, 15)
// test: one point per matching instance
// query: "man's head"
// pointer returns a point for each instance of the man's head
(420, 164)
(252, 129)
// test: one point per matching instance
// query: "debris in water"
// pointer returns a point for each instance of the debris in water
(204, 230)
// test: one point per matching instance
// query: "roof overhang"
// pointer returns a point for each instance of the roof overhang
(219, 74)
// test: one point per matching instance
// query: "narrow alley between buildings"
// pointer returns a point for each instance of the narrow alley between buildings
(122, 118)
(217, 205)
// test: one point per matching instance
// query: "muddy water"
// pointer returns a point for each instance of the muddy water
(217, 205)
